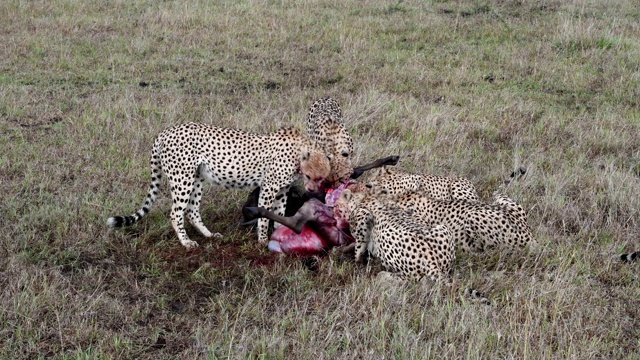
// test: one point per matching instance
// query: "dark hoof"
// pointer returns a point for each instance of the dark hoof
(251, 215)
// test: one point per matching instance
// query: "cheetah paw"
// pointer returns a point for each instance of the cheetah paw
(189, 244)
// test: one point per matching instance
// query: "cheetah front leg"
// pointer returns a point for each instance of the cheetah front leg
(280, 204)
(362, 228)
(266, 200)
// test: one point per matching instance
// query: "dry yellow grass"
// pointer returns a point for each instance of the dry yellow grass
(455, 88)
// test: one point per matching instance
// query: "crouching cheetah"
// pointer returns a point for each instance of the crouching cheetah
(453, 202)
(474, 225)
(325, 126)
(191, 153)
(395, 182)
(406, 247)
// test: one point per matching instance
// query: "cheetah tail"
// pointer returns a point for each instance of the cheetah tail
(515, 174)
(152, 194)
(476, 296)
(629, 257)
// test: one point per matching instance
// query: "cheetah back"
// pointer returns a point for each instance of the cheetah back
(389, 181)
(474, 225)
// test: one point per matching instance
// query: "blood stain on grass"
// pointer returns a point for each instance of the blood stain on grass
(220, 256)
(231, 254)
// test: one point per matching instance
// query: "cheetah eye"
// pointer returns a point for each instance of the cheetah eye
(345, 154)
(307, 176)
(369, 186)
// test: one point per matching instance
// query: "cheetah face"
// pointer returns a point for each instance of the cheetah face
(341, 167)
(341, 209)
(376, 189)
(385, 181)
(315, 169)
(348, 202)
(339, 152)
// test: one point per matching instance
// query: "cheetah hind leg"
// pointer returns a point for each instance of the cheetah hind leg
(193, 208)
(178, 209)
(177, 221)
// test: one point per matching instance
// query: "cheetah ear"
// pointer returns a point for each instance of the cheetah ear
(347, 195)
(306, 154)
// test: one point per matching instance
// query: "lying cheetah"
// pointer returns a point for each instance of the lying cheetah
(406, 247)
(474, 225)
(325, 125)
(393, 182)
(191, 153)
(454, 202)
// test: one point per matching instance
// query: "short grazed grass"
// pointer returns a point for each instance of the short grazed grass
(473, 89)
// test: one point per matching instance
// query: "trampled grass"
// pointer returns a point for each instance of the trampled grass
(473, 89)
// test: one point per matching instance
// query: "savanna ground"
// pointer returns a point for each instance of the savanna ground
(455, 87)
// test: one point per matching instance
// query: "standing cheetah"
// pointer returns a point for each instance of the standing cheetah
(325, 126)
(191, 153)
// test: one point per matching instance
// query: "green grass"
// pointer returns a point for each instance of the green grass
(472, 89)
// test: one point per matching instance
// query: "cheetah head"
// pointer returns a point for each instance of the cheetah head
(315, 169)
(348, 202)
(341, 168)
(383, 181)
(340, 152)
